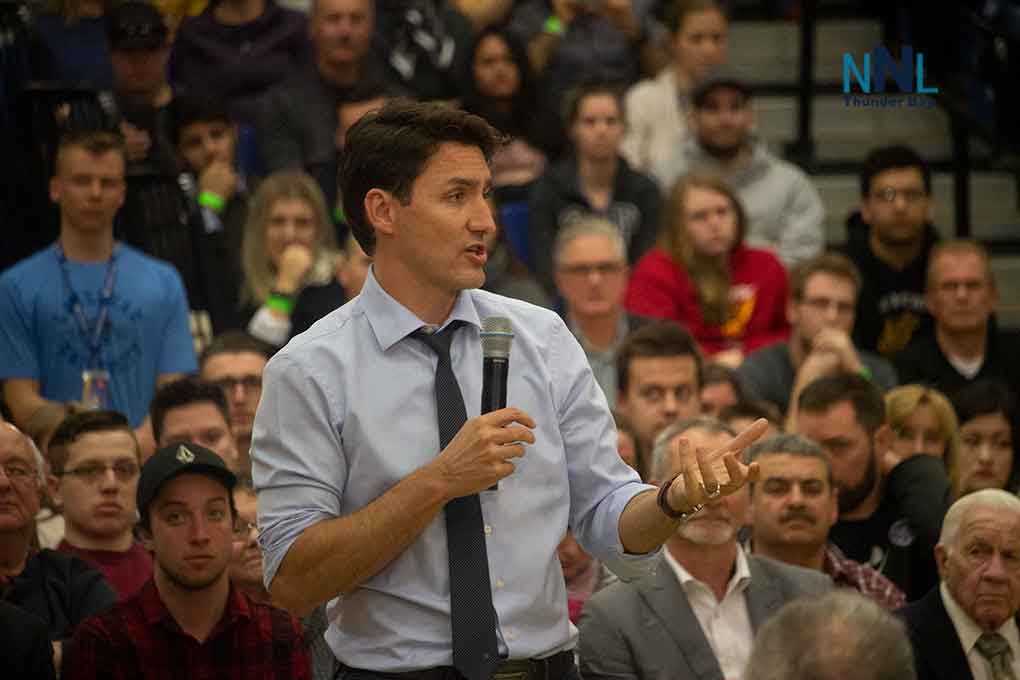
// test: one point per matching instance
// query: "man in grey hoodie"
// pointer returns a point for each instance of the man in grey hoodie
(784, 209)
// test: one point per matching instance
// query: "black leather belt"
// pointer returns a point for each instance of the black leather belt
(553, 667)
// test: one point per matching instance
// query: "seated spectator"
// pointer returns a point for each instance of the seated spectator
(793, 507)
(237, 50)
(594, 180)
(27, 649)
(966, 628)
(721, 388)
(657, 108)
(922, 420)
(626, 441)
(658, 382)
(741, 415)
(425, 46)
(784, 211)
(965, 344)
(584, 575)
(60, 589)
(128, 327)
(206, 627)
(501, 88)
(99, 507)
(234, 362)
(986, 456)
(570, 41)
(505, 273)
(74, 37)
(823, 295)
(707, 593)
(591, 277)
(298, 122)
(731, 297)
(890, 239)
(206, 140)
(838, 635)
(193, 410)
(890, 507)
(288, 252)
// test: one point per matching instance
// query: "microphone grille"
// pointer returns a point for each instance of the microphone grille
(497, 336)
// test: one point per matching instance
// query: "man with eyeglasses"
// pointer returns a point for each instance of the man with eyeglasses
(194, 410)
(890, 239)
(94, 458)
(188, 621)
(966, 344)
(823, 296)
(234, 361)
(60, 589)
(591, 276)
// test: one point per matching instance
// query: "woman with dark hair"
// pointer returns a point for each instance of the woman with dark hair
(594, 180)
(731, 297)
(500, 87)
(986, 456)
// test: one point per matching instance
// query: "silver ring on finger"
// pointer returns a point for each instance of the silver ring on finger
(713, 492)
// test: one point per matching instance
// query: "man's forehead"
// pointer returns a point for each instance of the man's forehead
(455, 163)
(791, 466)
(663, 370)
(905, 177)
(13, 444)
(827, 283)
(700, 437)
(226, 363)
(965, 263)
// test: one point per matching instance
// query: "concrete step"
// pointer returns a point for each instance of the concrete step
(843, 132)
(994, 205)
(769, 51)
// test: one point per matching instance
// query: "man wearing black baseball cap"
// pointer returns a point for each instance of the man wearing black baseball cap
(189, 619)
(784, 210)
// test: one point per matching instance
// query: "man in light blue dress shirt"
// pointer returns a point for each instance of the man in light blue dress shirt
(345, 446)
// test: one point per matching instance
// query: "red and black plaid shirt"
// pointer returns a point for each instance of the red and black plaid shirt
(139, 638)
(849, 574)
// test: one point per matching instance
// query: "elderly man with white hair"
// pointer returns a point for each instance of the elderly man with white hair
(59, 589)
(966, 628)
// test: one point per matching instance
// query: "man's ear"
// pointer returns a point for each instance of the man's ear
(941, 559)
(53, 485)
(380, 211)
(145, 538)
(883, 439)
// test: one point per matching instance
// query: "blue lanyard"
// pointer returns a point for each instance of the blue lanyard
(91, 333)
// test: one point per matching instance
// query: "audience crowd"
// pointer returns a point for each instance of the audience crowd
(201, 229)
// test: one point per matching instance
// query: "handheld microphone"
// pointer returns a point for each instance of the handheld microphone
(497, 336)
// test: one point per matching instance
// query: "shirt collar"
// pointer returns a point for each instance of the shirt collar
(968, 631)
(392, 322)
(739, 581)
(155, 611)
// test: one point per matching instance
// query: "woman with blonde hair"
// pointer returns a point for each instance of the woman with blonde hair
(922, 420)
(288, 256)
(731, 298)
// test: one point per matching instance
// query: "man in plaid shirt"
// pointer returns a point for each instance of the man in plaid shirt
(793, 506)
(188, 622)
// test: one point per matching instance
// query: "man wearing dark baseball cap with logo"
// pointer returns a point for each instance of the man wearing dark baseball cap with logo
(188, 620)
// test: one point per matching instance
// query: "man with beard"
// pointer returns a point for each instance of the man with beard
(793, 507)
(784, 211)
(189, 620)
(697, 614)
(94, 458)
(890, 506)
(890, 240)
(823, 296)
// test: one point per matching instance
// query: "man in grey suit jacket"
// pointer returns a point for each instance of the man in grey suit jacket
(696, 616)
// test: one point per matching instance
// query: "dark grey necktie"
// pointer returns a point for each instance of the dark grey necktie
(472, 615)
(996, 651)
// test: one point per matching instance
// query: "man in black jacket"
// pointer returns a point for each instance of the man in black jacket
(889, 240)
(890, 507)
(965, 345)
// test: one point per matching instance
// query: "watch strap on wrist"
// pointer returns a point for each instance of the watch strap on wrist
(667, 509)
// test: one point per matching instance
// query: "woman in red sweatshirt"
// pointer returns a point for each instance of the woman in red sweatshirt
(732, 298)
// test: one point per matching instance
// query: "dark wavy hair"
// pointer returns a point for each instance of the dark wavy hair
(529, 118)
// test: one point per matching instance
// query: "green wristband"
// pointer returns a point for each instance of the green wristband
(865, 372)
(214, 202)
(280, 303)
(553, 26)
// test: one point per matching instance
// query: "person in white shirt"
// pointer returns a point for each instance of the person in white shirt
(966, 627)
(696, 616)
